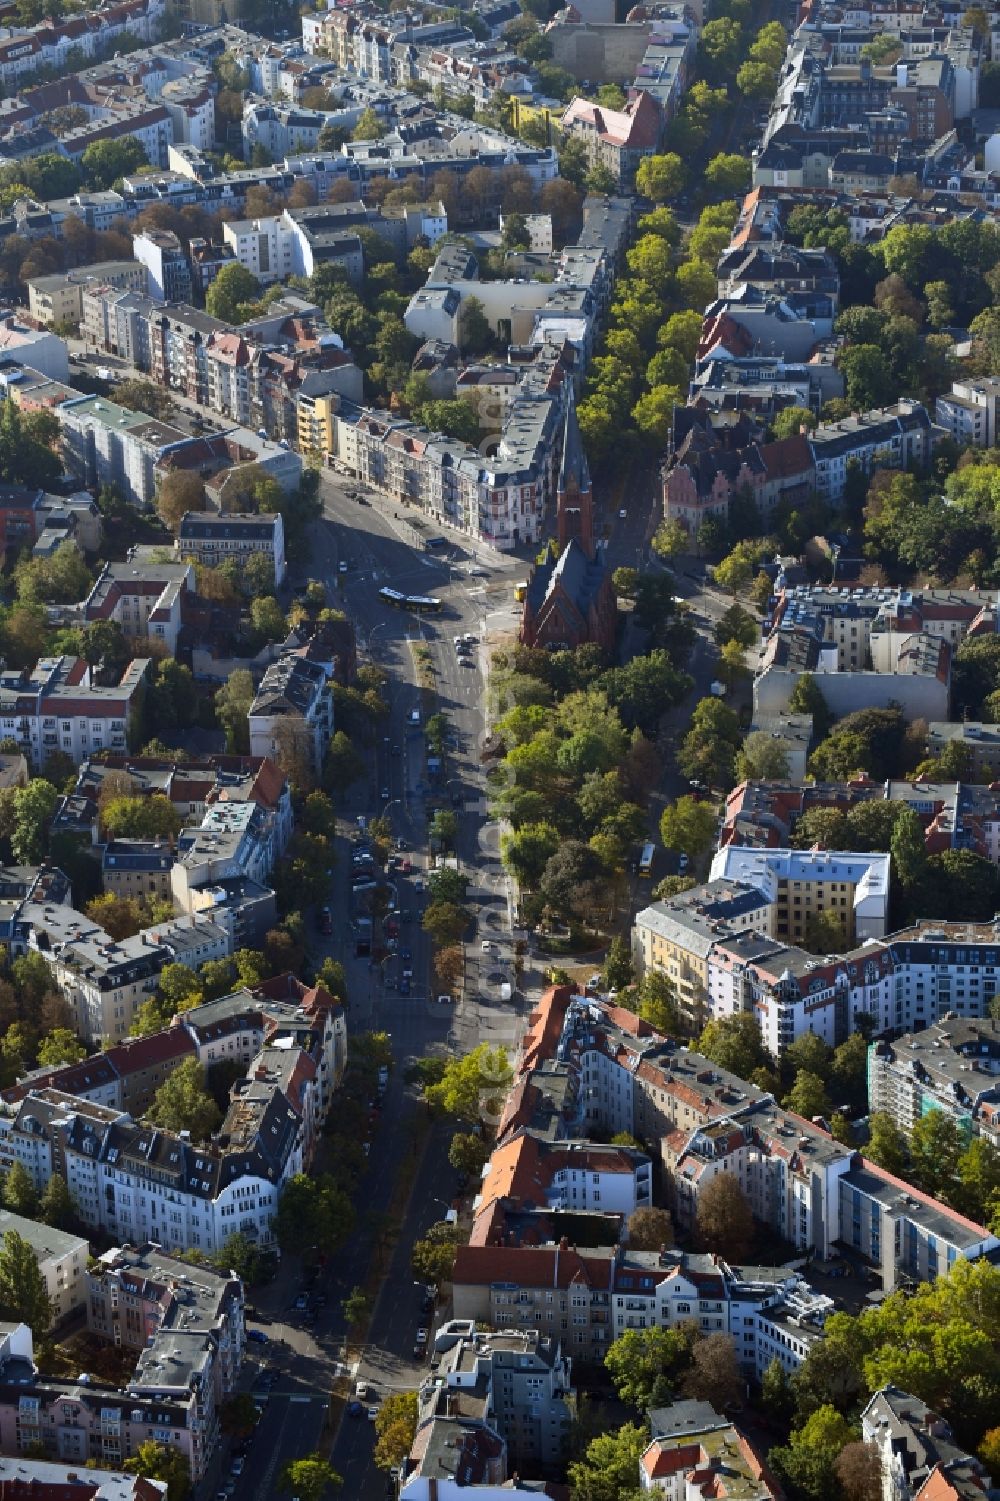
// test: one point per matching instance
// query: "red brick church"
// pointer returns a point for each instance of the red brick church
(570, 599)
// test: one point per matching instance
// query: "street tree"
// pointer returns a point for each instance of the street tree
(935, 1149)
(433, 1257)
(688, 825)
(313, 1212)
(467, 1152)
(311, 1478)
(61, 1046)
(357, 1308)
(395, 1429)
(472, 1087)
(808, 1096)
(661, 177)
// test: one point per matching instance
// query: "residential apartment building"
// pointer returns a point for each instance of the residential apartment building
(233, 537)
(868, 626)
(802, 884)
(62, 706)
(954, 815)
(979, 741)
(526, 1381)
(291, 717)
(616, 139)
(46, 1478)
(970, 412)
(62, 1260)
(167, 267)
(691, 1445)
(138, 1184)
(105, 444)
(134, 1294)
(137, 868)
(917, 1450)
(675, 937)
(146, 599)
(893, 437)
(191, 784)
(59, 298)
(952, 1066)
(588, 1065)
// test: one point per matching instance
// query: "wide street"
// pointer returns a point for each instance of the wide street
(377, 546)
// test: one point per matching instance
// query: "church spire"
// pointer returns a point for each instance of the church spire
(575, 500)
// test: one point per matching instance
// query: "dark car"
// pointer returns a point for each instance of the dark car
(404, 985)
(257, 1335)
(405, 955)
(325, 919)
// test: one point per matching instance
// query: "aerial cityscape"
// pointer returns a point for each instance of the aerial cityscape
(499, 750)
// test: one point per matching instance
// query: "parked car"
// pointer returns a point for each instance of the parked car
(257, 1335)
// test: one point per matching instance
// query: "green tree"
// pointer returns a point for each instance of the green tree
(472, 1086)
(20, 1195)
(369, 127)
(433, 1257)
(60, 1047)
(807, 1463)
(161, 1462)
(309, 1479)
(145, 396)
(734, 1043)
(886, 1147)
(618, 967)
(908, 848)
(808, 1096)
(252, 1263)
(467, 1153)
(656, 1002)
(688, 826)
(357, 1308)
(776, 1393)
(103, 162)
(763, 758)
(935, 1149)
(232, 706)
(312, 1212)
(23, 1295)
(807, 698)
(231, 290)
(34, 806)
(661, 177)
(644, 1365)
(791, 420)
(728, 173)
(609, 1470)
(183, 1103)
(56, 1205)
(395, 1429)
(140, 818)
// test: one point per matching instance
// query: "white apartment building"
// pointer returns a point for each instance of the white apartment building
(145, 599)
(970, 412)
(266, 247)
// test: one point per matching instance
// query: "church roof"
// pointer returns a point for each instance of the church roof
(574, 473)
(580, 578)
